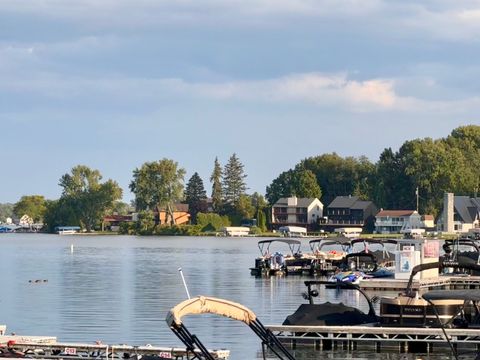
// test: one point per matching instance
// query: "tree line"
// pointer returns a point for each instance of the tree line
(434, 166)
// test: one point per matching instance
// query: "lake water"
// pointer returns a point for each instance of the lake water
(118, 289)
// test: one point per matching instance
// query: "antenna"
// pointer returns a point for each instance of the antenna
(184, 283)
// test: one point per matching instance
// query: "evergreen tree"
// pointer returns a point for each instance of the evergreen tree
(233, 181)
(195, 196)
(216, 180)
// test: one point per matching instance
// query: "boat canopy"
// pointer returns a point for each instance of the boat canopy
(294, 245)
(210, 305)
(286, 241)
(467, 295)
(374, 241)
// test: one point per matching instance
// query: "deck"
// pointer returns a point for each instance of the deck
(441, 282)
(399, 338)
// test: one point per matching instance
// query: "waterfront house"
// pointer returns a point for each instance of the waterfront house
(460, 214)
(350, 211)
(397, 221)
(113, 222)
(180, 214)
(293, 211)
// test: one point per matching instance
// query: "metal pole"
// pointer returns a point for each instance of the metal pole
(184, 283)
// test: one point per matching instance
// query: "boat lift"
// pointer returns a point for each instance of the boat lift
(235, 311)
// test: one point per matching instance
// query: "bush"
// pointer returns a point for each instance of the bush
(212, 222)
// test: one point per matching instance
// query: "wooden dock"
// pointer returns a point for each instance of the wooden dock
(398, 338)
(441, 282)
(45, 347)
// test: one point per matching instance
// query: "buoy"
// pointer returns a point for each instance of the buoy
(71, 248)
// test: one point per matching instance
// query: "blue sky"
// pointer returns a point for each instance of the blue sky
(114, 83)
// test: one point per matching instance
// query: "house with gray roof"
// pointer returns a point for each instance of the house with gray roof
(293, 211)
(350, 211)
(460, 214)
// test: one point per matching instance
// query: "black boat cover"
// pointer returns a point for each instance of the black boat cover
(328, 314)
(466, 295)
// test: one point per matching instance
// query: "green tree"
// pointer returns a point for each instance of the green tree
(216, 180)
(61, 212)
(233, 181)
(33, 206)
(89, 198)
(195, 196)
(121, 208)
(245, 208)
(6, 211)
(158, 184)
(261, 220)
(298, 182)
(146, 222)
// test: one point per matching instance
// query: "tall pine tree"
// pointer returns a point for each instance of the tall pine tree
(195, 196)
(233, 181)
(216, 180)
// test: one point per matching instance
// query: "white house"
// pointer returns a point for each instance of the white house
(293, 211)
(396, 221)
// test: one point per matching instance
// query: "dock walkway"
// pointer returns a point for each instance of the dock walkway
(349, 337)
(45, 347)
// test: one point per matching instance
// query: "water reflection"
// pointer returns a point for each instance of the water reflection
(118, 289)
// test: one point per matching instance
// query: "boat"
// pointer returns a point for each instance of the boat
(412, 310)
(368, 263)
(293, 231)
(67, 230)
(226, 308)
(331, 314)
(278, 263)
(463, 250)
(328, 253)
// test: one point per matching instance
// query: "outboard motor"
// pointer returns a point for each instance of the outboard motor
(277, 261)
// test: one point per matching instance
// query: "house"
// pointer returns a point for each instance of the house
(113, 222)
(180, 214)
(293, 211)
(350, 211)
(460, 214)
(397, 221)
(25, 221)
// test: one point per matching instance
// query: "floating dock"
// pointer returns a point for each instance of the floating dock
(403, 339)
(45, 347)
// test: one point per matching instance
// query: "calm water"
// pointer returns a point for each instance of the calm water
(118, 289)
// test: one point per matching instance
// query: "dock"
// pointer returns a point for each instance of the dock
(403, 339)
(441, 282)
(44, 347)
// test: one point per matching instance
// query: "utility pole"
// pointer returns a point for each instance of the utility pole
(416, 193)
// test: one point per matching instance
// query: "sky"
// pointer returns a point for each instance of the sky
(112, 84)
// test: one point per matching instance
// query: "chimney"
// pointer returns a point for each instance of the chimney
(292, 201)
(448, 208)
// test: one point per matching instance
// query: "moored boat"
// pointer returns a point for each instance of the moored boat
(276, 263)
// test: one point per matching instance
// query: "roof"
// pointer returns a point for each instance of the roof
(343, 202)
(301, 202)
(117, 218)
(428, 217)
(361, 205)
(467, 208)
(395, 213)
(349, 202)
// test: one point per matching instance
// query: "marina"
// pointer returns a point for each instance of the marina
(78, 303)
